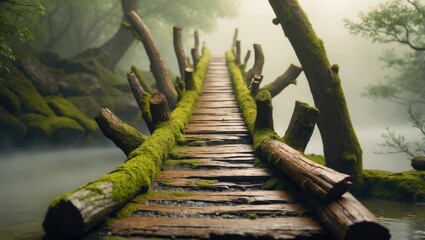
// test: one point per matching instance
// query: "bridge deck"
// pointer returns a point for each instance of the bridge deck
(214, 190)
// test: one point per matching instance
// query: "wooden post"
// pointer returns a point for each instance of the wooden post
(247, 56)
(194, 54)
(159, 108)
(284, 80)
(264, 118)
(178, 49)
(238, 52)
(157, 66)
(179, 85)
(257, 68)
(255, 85)
(123, 135)
(196, 46)
(142, 99)
(235, 38)
(301, 126)
(145, 85)
(189, 80)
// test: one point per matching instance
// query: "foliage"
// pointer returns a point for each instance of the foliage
(402, 23)
(11, 14)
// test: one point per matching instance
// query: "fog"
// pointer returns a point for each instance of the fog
(357, 58)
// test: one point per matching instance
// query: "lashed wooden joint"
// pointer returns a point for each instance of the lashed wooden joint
(264, 117)
(255, 84)
(189, 79)
(159, 108)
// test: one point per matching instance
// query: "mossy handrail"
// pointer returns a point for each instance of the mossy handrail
(343, 216)
(77, 212)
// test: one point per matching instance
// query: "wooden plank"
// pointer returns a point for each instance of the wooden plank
(278, 209)
(203, 163)
(215, 124)
(224, 110)
(220, 156)
(206, 228)
(216, 118)
(213, 185)
(228, 148)
(208, 130)
(242, 174)
(246, 197)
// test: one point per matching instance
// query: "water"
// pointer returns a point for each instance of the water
(28, 182)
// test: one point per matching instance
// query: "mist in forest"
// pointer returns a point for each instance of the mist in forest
(357, 58)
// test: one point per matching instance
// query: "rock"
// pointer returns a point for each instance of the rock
(49, 58)
(418, 163)
(43, 81)
(79, 84)
(12, 130)
(86, 104)
(126, 107)
(10, 101)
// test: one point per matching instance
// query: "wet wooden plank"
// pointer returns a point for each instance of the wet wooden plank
(206, 163)
(277, 209)
(225, 110)
(228, 148)
(220, 156)
(242, 174)
(276, 228)
(216, 118)
(245, 197)
(213, 185)
(227, 130)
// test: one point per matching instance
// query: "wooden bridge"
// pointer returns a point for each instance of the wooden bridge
(213, 168)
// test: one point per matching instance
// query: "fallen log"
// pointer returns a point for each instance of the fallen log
(284, 80)
(257, 68)
(157, 66)
(178, 49)
(118, 131)
(301, 126)
(346, 218)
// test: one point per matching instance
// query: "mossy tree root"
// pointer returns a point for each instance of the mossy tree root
(123, 135)
(301, 126)
(77, 212)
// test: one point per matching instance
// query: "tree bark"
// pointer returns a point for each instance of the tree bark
(194, 54)
(257, 68)
(341, 147)
(118, 45)
(301, 126)
(145, 85)
(159, 108)
(178, 49)
(346, 218)
(189, 80)
(284, 80)
(320, 181)
(142, 99)
(238, 52)
(247, 56)
(157, 66)
(196, 46)
(123, 135)
(264, 118)
(255, 85)
(235, 38)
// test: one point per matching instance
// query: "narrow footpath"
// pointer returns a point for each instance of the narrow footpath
(210, 188)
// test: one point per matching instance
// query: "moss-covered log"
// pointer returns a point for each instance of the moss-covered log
(76, 212)
(123, 135)
(146, 86)
(188, 79)
(178, 49)
(157, 66)
(264, 117)
(341, 147)
(284, 80)
(257, 68)
(301, 126)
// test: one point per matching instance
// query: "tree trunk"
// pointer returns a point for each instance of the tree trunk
(123, 135)
(159, 108)
(301, 126)
(257, 68)
(341, 147)
(264, 118)
(163, 81)
(288, 77)
(142, 99)
(178, 49)
(322, 182)
(118, 45)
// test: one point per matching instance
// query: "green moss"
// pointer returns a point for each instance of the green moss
(252, 216)
(271, 184)
(402, 186)
(316, 158)
(10, 101)
(11, 128)
(143, 164)
(63, 107)
(204, 183)
(31, 100)
(198, 143)
(146, 84)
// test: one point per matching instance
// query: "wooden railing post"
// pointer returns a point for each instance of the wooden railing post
(255, 84)
(159, 108)
(264, 118)
(189, 80)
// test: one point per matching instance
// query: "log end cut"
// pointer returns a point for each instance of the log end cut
(64, 218)
(368, 231)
